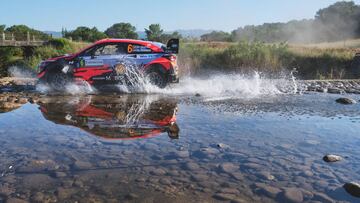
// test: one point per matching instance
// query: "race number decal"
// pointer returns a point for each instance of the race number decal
(130, 48)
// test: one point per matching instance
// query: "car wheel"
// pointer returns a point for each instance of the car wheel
(156, 78)
(58, 81)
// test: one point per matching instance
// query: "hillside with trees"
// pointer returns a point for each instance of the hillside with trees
(339, 21)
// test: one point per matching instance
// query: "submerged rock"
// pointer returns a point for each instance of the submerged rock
(16, 200)
(131, 196)
(346, 101)
(268, 190)
(335, 91)
(197, 95)
(223, 146)
(352, 188)
(227, 197)
(293, 195)
(332, 158)
(82, 165)
(229, 167)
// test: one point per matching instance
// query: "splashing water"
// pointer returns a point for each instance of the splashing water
(21, 72)
(226, 86)
(293, 79)
(71, 88)
(216, 87)
(219, 86)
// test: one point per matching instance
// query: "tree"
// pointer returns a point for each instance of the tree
(85, 34)
(63, 32)
(341, 20)
(122, 30)
(20, 32)
(166, 37)
(154, 32)
(2, 28)
(216, 36)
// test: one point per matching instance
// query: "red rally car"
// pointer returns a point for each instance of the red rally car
(109, 61)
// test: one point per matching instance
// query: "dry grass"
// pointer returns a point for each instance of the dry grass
(353, 44)
(315, 61)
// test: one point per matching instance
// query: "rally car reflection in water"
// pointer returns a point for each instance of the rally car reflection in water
(111, 118)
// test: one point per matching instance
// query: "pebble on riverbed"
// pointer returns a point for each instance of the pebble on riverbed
(346, 101)
(332, 158)
(352, 188)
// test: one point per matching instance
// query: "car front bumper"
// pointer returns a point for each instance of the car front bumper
(174, 75)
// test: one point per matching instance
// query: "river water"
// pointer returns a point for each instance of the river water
(231, 143)
(156, 148)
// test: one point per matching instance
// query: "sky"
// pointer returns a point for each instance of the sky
(227, 15)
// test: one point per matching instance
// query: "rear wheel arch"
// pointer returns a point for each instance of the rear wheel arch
(156, 67)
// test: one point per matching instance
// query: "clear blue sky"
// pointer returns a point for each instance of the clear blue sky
(181, 14)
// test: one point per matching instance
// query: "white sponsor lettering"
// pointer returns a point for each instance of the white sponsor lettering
(94, 63)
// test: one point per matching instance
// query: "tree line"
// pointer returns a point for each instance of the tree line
(339, 21)
(21, 32)
(119, 30)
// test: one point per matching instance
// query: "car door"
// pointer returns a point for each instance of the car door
(140, 55)
(94, 64)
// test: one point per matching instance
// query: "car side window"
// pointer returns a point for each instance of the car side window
(89, 52)
(109, 49)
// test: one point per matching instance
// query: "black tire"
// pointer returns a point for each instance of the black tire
(58, 80)
(157, 78)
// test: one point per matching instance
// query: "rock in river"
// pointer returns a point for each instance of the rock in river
(228, 167)
(332, 158)
(335, 91)
(346, 101)
(293, 195)
(353, 189)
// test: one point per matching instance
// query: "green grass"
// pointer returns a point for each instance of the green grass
(55, 47)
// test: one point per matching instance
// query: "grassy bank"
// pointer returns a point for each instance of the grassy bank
(311, 62)
(10, 56)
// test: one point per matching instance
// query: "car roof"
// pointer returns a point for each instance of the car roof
(154, 46)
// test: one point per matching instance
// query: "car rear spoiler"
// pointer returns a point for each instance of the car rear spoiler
(172, 47)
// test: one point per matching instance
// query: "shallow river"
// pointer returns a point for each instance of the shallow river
(154, 148)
